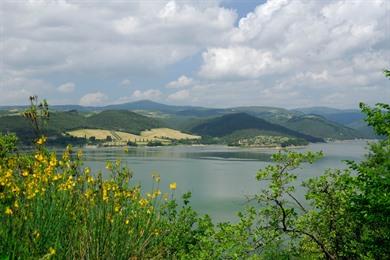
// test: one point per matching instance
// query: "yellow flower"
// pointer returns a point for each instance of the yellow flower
(52, 251)
(36, 234)
(25, 173)
(8, 211)
(127, 222)
(39, 157)
(157, 193)
(108, 165)
(87, 170)
(53, 160)
(105, 195)
(41, 140)
(143, 202)
(172, 186)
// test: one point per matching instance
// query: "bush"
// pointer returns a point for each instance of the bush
(54, 206)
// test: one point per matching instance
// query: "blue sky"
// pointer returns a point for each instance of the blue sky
(217, 53)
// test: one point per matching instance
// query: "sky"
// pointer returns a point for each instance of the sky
(214, 53)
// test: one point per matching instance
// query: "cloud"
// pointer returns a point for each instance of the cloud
(93, 99)
(282, 53)
(126, 25)
(16, 90)
(68, 87)
(182, 81)
(180, 95)
(125, 82)
(297, 35)
(60, 36)
(241, 62)
(147, 94)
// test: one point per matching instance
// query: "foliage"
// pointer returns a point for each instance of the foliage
(255, 137)
(319, 126)
(346, 213)
(51, 205)
(154, 143)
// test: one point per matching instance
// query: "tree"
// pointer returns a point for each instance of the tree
(346, 214)
(37, 114)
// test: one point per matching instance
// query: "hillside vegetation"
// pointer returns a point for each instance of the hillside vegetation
(321, 122)
(320, 127)
(228, 124)
(61, 122)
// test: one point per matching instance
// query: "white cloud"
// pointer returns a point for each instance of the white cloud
(182, 81)
(93, 99)
(180, 95)
(59, 36)
(240, 62)
(282, 49)
(66, 87)
(147, 94)
(125, 82)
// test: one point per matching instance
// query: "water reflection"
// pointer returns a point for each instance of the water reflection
(219, 177)
(188, 152)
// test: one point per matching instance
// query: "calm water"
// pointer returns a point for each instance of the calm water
(219, 177)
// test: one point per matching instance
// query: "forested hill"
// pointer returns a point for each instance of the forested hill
(59, 122)
(321, 127)
(228, 124)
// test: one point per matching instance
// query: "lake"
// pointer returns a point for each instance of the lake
(219, 177)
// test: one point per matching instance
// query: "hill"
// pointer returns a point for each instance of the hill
(228, 124)
(61, 122)
(322, 122)
(319, 126)
(121, 120)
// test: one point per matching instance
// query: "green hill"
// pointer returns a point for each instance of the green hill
(228, 124)
(319, 126)
(60, 122)
(121, 120)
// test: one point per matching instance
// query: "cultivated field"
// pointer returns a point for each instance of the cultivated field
(121, 138)
(167, 133)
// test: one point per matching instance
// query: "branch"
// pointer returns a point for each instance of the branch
(286, 229)
(296, 201)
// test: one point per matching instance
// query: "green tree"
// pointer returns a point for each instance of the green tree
(346, 214)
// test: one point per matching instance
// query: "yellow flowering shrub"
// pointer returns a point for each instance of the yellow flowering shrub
(52, 206)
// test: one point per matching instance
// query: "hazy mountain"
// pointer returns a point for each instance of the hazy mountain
(352, 118)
